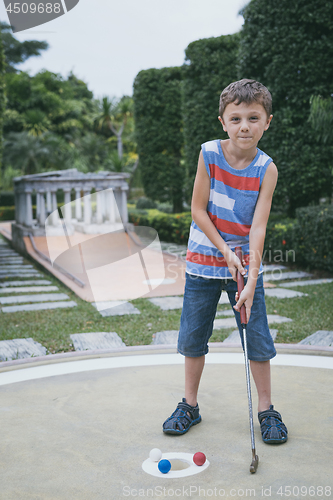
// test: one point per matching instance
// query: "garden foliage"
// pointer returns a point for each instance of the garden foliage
(158, 126)
(210, 65)
(288, 46)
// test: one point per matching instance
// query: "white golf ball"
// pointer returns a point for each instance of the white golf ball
(155, 455)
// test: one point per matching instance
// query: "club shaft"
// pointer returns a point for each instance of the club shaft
(248, 381)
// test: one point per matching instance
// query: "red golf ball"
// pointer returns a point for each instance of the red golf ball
(199, 458)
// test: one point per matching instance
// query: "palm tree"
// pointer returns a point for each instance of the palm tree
(114, 114)
(25, 152)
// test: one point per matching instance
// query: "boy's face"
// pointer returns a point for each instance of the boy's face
(245, 123)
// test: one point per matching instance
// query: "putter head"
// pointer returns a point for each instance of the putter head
(254, 464)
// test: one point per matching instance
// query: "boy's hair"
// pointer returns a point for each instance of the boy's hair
(247, 91)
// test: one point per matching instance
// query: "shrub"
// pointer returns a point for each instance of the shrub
(165, 207)
(313, 236)
(7, 213)
(279, 241)
(145, 203)
(7, 199)
(171, 228)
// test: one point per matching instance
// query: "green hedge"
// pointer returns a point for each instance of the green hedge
(171, 228)
(7, 213)
(313, 236)
(306, 240)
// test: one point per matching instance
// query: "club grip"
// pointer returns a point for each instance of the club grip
(240, 286)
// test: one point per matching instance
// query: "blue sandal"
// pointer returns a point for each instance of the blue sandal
(182, 419)
(273, 430)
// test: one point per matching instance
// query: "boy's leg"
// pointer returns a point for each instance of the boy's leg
(261, 371)
(193, 372)
(196, 325)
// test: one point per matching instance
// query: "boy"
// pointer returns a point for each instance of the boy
(231, 202)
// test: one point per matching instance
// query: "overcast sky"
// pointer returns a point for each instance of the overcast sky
(107, 42)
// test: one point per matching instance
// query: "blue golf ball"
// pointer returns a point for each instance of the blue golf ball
(164, 466)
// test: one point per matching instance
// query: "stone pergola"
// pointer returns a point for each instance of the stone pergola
(106, 205)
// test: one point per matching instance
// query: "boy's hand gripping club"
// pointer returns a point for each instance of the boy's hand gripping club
(240, 286)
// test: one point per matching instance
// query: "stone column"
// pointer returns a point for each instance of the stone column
(78, 207)
(28, 215)
(68, 207)
(99, 212)
(20, 208)
(55, 214)
(87, 207)
(124, 215)
(37, 206)
(110, 206)
(48, 202)
(42, 211)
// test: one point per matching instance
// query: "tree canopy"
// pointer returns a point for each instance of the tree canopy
(17, 52)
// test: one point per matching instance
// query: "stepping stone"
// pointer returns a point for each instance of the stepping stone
(274, 276)
(20, 289)
(234, 337)
(98, 340)
(307, 282)
(17, 299)
(224, 299)
(115, 308)
(224, 323)
(27, 282)
(272, 267)
(231, 322)
(33, 274)
(168, 337)
(27, 272)
(168, 303)
(39, 306)
(281, 293)
(11, 260)
(321, 337)
(20, 348)
(275, 318)
(13, 267)
(225, 313)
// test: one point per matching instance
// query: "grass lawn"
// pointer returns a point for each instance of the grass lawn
(52, 327)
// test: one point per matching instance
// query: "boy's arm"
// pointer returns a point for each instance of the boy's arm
(200, 198)
(257, 236)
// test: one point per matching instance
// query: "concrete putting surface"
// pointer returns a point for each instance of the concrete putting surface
(81, 427)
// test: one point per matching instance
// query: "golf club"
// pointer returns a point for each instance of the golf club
(240, 286)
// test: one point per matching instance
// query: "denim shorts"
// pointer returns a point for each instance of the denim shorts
(201, 298)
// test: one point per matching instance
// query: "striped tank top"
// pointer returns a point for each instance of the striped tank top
(231, 206)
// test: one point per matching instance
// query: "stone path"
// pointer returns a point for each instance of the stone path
(291, 284)
(97, 340)
(115, 308)
(321, 337)
(20, 348)
(25, 293)
(282, 293)
(280, 276)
